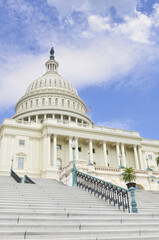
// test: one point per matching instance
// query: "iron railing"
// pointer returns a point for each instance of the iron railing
(107, 191)
(16, 177)
(28, 180)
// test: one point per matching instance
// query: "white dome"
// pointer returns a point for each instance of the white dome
(51, 81)
(51, 95)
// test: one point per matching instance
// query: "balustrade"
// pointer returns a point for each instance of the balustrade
(107, 191)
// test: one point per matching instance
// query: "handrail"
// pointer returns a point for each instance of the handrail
(28, 180)
(105, 190)
(16, 177)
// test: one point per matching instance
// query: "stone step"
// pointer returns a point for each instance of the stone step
(40, 234)
(45, 227)
(108, 220)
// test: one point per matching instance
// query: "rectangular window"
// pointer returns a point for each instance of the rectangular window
(93, 150)
(20, 163)
(58, 147)
(21, 142)
(80, 149)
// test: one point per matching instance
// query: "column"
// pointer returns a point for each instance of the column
(118, 153)
(48, 150)
(76, 149)
(105, 154)
(76, 120)
(28, 119)
(70, 149)
(44, 116)
(44, 151)
(62, 118)
(141, 158)
(91, 151)
(123, 155)
(136, 157)
(36, 118)
(69, 118)
(54, 150)
(53, 116)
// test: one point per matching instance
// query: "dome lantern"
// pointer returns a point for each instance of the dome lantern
(51, 65)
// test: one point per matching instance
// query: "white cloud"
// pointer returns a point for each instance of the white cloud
(127, 124)
(94, 6)
(137, 28)
(16, 77)
(98, 23)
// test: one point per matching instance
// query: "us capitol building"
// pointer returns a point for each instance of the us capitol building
(38, 137)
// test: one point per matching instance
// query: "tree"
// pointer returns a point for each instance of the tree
(157, 161)
(129, 174)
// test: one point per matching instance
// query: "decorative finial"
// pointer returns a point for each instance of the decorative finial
(52, 53)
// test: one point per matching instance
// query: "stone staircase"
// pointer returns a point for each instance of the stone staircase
(51, 210)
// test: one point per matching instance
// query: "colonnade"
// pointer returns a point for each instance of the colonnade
(68, 118)
(51, 153)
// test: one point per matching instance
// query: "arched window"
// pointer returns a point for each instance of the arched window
(36, 84)
(37, 102)
(31, 104)
(40, 83)
(26, 105)
(45, 82)
(22, 106)
(73, 105)
(43, 102)
(49, 101)
(55, 82)
(50, 82)
(56, 101)
(77, 106)
(62, 102)
(68, 103)
(60, 82)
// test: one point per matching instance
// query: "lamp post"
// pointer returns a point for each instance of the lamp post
(74, 174)
(11, 166)
(148, 168)
(121, 166)
(89, 157)
(89, 161)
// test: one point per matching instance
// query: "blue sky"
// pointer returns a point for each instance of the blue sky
(108, 49)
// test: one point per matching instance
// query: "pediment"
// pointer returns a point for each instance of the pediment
(21, 154)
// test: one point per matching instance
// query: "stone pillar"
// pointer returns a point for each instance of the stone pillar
(76, 149)
(54, 150)
(91, 150)
(62, 118)
(53, 116)
(44, 116)
(141, 158)
(70, 149)
(69, 118)
(123, 155)
(36, 118)
(136, 157)
(44, 152)
(28, 119)
(118, 153)
(105, 154)
(48, 150)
